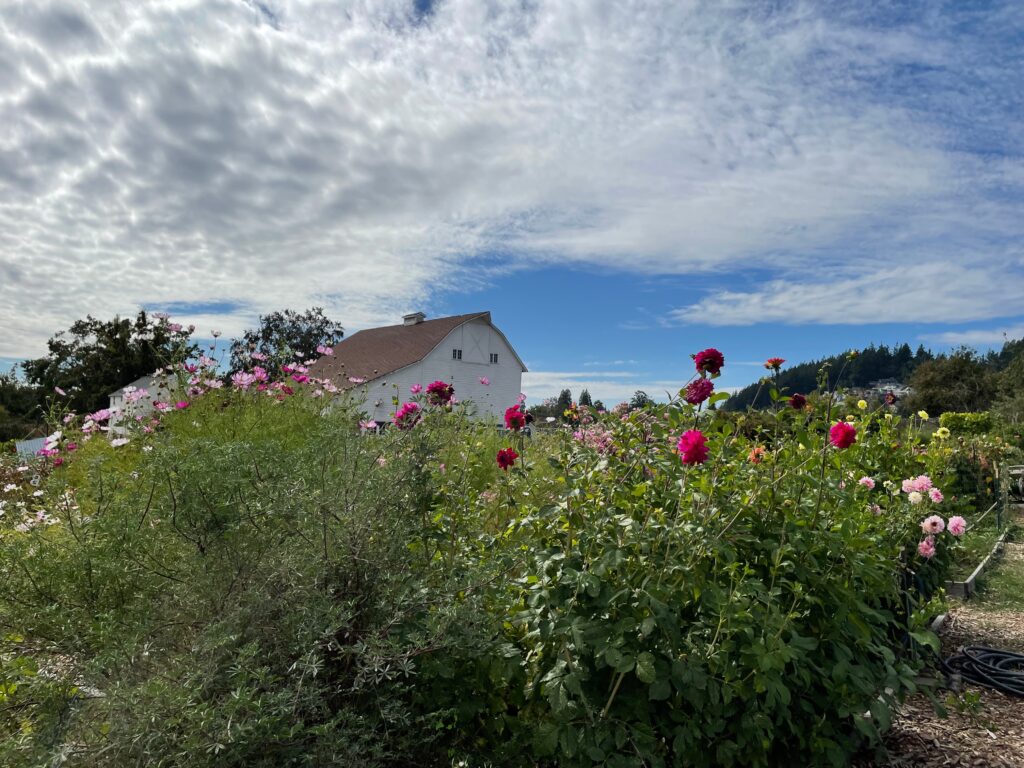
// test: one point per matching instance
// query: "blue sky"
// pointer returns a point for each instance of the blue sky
(621, 184)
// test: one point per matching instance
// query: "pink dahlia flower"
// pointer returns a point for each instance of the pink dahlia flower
(926, 548)
(935, 495)
(933, 524)
(957, 525)
(693, 447)
(867, 482)
(842, 435)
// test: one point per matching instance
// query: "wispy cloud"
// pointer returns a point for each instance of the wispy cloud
(367, 156)
(980, 337)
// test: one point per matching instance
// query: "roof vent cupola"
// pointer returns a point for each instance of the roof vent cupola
(414, 318)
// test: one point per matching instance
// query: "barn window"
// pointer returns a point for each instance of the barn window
(494, 357)
(456, 354)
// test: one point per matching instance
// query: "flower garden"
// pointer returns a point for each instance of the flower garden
(254, 575)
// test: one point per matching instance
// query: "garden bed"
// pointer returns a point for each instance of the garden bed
(987, 545)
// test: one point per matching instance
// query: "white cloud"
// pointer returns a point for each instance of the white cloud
(924, 293)
(356, 156)
(611, 387)
(980, 337)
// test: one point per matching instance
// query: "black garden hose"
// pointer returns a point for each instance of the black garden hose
(992, 668)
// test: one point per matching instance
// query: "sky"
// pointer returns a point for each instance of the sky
(620, 183)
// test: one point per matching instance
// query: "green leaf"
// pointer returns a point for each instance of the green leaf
(545, 739)
(660, 690)
(645, 668)
(924, 637)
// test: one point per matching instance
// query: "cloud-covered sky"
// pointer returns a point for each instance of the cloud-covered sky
(794, 166)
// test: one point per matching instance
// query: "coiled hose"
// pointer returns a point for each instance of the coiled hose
(992, 668)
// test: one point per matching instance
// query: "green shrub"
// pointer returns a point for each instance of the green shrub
(258, 584)
(967, 423)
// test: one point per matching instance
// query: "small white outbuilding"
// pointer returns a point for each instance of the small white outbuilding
(463, 350)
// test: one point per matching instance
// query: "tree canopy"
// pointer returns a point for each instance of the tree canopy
(285, 337)
(869, 365)
(96, 357)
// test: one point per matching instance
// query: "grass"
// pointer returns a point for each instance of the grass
(975, 547)
(1002, 588)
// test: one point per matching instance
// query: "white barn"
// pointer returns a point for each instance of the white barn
(460, 350)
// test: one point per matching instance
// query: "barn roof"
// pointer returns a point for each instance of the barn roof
(376, 352)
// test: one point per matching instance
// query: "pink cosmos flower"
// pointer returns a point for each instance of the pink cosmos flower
(957, 525)
(242, 380)
(926, 548)
(101, 415)
(357, 379)
(260, 374)
(324, 350)
(935, 495)
(416, 389)
(709, 360)
(259, 356)
(699, 390)
(933, 524)
(58, 461)
(59, 391)
(181, 405)
(867, 482)
(842, 435)
(300, 378)
(176, 327)
(161, 406)
(485, 381)
(692, 447)
(367, 426)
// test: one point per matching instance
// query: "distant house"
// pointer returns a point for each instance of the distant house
(460, 350)
(125, 403)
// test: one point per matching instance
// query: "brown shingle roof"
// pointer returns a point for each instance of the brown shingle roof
(377, 352)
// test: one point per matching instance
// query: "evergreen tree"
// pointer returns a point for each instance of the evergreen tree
(585, 398)
(564, 401)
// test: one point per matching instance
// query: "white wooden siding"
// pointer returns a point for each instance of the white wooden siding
(477, 340)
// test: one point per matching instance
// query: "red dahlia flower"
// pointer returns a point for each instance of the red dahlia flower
(842, 435)
(515, 419)
(698, 391)
(440, 393)
(774, 363)
(693, 447)
(797, 402)
(506, 458)
(709, 360)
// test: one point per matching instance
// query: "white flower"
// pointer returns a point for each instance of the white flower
(914, 497)
(117, 442)
(37, 494)
(147, 448)
(10, 487)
